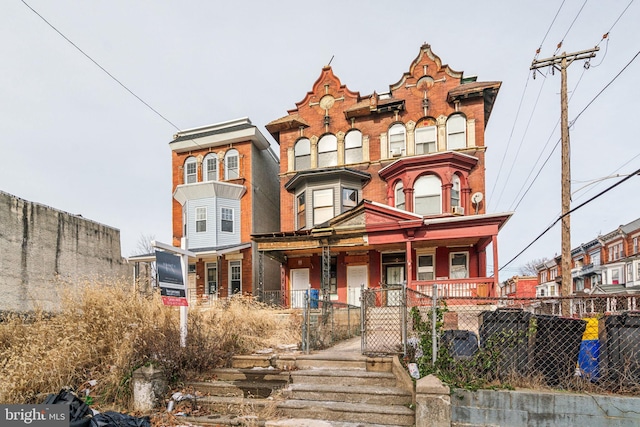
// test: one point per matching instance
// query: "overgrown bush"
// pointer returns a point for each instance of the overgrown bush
(104, 331)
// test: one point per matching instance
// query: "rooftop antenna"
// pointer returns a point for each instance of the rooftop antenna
(330, 60)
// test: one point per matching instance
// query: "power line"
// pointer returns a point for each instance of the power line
(570, 26)
(568, 213)
(101, 67)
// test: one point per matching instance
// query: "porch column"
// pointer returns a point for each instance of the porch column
(496, 281)
(409, 263)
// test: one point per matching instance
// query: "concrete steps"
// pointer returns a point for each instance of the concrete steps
(324, 389)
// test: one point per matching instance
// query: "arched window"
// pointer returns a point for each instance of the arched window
(397, 138)
(190, 170)
(426, 140)
(210, 171)
(456, 132)
(231, 165)
(427, 192)
(399, 196)
(455, 191)
(302, 153)
(353, 147)
(327, 151)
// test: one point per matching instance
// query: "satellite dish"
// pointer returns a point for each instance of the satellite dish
(476, 198)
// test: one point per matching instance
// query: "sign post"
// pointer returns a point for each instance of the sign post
(172, 264)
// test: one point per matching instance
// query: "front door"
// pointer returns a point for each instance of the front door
(395, 279)
(299, 285)
(356, 278)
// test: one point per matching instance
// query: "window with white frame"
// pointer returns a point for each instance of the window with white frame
(231, 165)
(399, 196)
(637, 270)
(349, 198)
(579, 285)
(426, 140)
(226, 220)
(635, 245)
(543, 276)
(353, 147)
(426, 266)
(235, 277)
(211, 167)
(327, 151)
(552, 291)
(301, 210)
(595, 258)
(427, 195)
(456, 132)
(459, 265)
(615, 276)
(302, 154)
(322, 205)
(201, 219)
(553, 273)
(397, 138)
(190, 170)
(629, 268)
(455, 191)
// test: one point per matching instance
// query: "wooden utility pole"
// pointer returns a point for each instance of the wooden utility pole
(564, 60)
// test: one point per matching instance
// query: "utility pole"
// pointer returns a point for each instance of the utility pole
(564, 60)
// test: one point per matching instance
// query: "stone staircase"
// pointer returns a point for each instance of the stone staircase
(334, 389)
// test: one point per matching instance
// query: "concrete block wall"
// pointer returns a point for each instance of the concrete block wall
(40, 245)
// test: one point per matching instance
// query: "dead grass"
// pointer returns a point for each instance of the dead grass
(104, 331)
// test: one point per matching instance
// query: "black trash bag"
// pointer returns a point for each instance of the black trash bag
(116, 419)
(79, 412)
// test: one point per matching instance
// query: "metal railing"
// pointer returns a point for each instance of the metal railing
(327, 322)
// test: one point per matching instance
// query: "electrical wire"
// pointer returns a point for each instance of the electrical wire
(570, 26)
(568, 213)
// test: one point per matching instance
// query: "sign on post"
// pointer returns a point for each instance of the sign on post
(170, 278)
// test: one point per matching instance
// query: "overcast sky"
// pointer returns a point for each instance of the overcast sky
(74, 139)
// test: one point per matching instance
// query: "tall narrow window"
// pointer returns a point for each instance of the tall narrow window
(456, 132)
(211, 167)
(235, 277)
(349, 198)
(322, 205)
(201, 219)
(427, 195)
(399, 195)
(459, 265)
(425, 267)
(231, 165)
(397, 135)
(301, 211)
(212, 279)
(327, 151)
(302, 153)
(190, 170)
(426, 140)
(455, 191)
(353, 147)
(226, 220)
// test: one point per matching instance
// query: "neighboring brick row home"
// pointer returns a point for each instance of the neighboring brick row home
(382, 189)
(606, 265)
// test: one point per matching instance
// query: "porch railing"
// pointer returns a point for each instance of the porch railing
(454, 288)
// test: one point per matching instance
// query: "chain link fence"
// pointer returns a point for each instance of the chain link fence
(326, 322)
(508, 342)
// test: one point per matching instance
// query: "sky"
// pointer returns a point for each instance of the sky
(87, 110)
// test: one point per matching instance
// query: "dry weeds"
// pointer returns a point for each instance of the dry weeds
(104, 331)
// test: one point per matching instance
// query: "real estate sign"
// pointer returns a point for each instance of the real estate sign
(172, 286)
